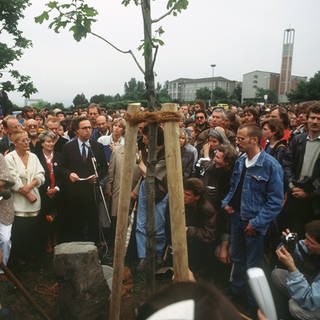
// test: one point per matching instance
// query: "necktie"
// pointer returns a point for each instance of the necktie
(83, 152)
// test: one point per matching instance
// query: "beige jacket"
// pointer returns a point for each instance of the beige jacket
(116, 169)
(6, 206)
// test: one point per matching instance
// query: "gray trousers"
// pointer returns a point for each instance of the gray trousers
(279, 278)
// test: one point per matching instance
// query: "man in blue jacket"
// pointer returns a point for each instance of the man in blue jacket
(301, 282)
(254, 200)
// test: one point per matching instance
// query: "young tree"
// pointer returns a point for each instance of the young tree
(79, 17)
(10, 14)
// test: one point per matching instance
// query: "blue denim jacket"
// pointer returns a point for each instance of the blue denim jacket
(306, 294)
(262, 191)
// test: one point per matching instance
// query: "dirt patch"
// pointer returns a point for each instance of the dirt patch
(38, 277)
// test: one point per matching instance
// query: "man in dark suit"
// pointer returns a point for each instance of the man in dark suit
(10, 125)
(80, 214)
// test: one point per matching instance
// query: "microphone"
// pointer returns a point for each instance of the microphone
(5, 195)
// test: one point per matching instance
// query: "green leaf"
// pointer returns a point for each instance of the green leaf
(125, 2)
(89, 11)
(43, 16)
(52, 4)
(7, 86)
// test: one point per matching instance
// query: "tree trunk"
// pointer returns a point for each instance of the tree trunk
(152, 156)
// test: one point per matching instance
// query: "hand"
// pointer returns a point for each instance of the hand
(299, 193)
(73, 177)
(223, 255)
(286, 258)
(134, 196)
(249, 230)
(108, 194)
(25, 189)
(138, 157)
(51, 192)
(2, 185)
(228, 209)
(260, 315)
(206, 148)
(93, 179)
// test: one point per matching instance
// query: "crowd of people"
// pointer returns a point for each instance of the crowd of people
(249, 173)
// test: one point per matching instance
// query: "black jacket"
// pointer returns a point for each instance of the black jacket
(81, 194)
(292, 165)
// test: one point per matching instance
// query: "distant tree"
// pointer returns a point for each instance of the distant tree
(134, 90)
(305, 91)
(12, 50)
(203, 94)
(80, 100)
(162, 92)
(237, 94)
(272, 95)
(101, 99)
(58, 105)
(42, 105)
(219, 94)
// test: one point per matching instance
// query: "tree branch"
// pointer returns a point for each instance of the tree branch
(165, 15)
(119, 50)
(155, 56)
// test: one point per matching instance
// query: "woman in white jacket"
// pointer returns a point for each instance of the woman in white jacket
(28, 175)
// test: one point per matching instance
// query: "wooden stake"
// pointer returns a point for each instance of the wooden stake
(176, 197)
(122, 214)
(19, 285)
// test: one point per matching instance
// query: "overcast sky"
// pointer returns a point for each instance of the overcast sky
(237, 36)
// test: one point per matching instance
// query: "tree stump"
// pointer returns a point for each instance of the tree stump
(83, 291)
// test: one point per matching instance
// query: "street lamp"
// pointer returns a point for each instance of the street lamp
(211, 96)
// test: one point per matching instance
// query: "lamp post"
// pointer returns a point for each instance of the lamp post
(211, 96)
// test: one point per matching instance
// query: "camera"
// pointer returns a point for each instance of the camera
(289, 241)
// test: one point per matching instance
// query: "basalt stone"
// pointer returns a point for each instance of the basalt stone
(83, 290)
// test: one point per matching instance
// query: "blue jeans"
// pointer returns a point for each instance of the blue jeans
(141, 228)
(246, 252)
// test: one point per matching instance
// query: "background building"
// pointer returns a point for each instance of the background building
(184, 89)
(265, 80)
(279, 83)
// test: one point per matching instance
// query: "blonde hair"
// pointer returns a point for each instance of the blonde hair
(121, 122)
(17, 135)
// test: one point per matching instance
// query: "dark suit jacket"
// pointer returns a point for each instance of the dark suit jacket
(81, 194)
(6, 145)
(48, 205)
